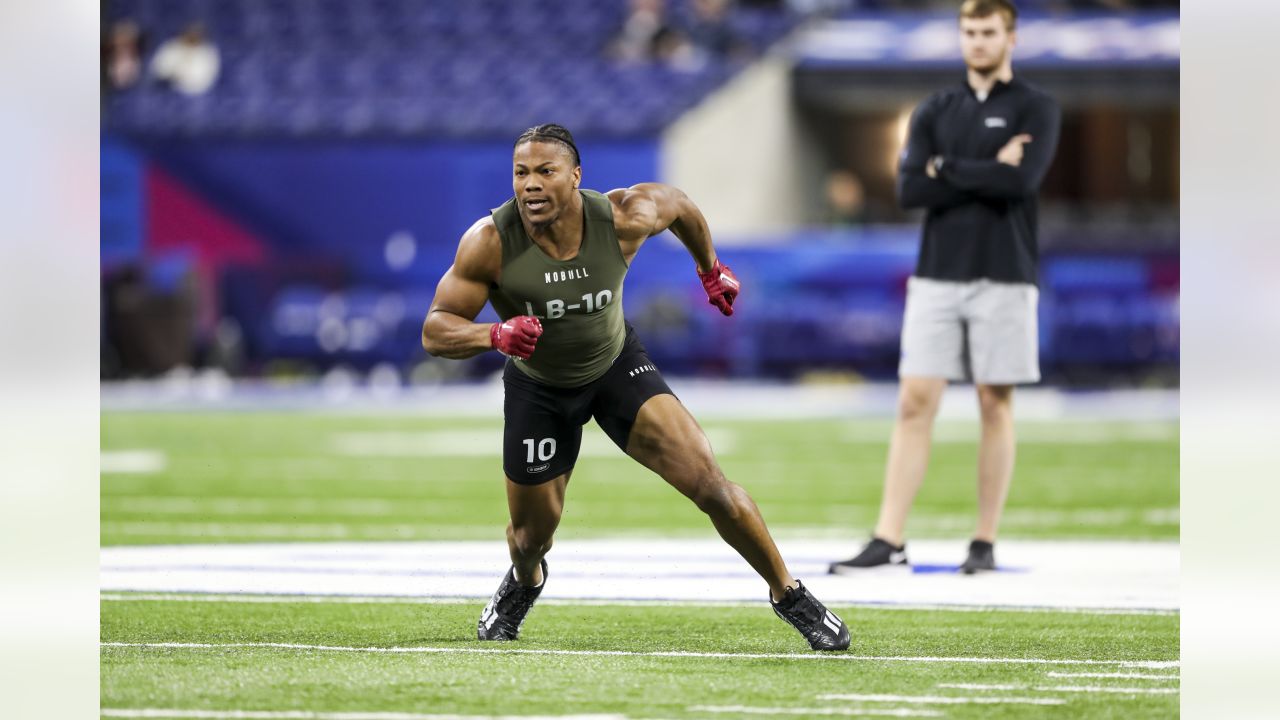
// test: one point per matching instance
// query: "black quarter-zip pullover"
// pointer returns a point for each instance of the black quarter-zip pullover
(981, 220)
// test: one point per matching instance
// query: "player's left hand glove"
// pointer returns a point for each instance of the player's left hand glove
(721, 286)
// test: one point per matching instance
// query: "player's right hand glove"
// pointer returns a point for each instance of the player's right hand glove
(516, 337)
(721, 286)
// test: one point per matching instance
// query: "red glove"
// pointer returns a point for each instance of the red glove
(721, 286)
(516, 337)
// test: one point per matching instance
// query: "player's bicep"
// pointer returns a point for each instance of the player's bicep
(464, 289)
(645, 209)
(458, 294)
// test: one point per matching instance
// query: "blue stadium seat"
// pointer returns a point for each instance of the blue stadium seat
(458, 53)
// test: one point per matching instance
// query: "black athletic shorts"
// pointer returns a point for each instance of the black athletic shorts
(543, 430)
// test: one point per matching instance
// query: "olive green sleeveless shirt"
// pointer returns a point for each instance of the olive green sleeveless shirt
(579, 301)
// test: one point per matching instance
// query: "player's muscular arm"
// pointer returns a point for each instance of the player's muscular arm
(641, 211)
(449, 330)
(647, 209)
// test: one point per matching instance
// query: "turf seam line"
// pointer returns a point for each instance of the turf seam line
(657, 602)
(638, 653)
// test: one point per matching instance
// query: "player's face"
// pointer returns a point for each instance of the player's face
(544, 178)
(985, 42)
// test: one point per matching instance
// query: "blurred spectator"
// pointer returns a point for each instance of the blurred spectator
(711, 33)
(149, 319)
(122, 56)
(188, 63)
(671, 47)
(846, 199)
(644, 33)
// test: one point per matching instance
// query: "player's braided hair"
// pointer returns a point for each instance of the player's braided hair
(550, 133)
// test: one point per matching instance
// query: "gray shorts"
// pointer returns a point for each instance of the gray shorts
(978, 331)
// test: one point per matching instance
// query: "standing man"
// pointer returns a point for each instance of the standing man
(975, 156)
(551, 261)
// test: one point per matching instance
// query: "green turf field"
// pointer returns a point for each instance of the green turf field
(234, 477)
(601, 659)
(301, 477)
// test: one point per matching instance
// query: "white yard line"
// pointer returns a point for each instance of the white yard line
(945, 700)
(1125, 676)
(632, 653)
(135, 462)
(1065, 688)
(853, 712)
(309, 715)
(1074, 575)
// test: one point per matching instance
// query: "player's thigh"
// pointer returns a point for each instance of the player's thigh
(933, 331)
(630, 384)
(541, 436)
(666, 439)
(1004, 340)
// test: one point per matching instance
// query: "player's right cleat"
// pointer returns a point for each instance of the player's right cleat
(505, 613)
(821, 627)
(876, 553)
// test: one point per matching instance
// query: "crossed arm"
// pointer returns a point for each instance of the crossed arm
(929, 179)
(998, 178)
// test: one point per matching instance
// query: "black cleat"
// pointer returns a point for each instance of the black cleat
(816, 623)
(876, 553)
(505, 613)
(981, 557)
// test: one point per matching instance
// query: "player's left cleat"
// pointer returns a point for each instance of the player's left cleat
(982, 556)
(821, 627)
(505, 613)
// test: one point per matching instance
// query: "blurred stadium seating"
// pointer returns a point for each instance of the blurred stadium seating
(390, 68)
(317, 192)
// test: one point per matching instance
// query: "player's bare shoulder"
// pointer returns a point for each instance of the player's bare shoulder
(635, 211)
(479, 254)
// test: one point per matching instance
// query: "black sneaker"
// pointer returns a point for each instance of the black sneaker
(981, 557)
(505, 613)
(816, 623)
(876, 553)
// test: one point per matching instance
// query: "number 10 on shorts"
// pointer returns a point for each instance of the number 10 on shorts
(546, 449)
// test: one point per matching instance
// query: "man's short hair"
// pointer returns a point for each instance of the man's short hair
(550, 133)
(987, 8)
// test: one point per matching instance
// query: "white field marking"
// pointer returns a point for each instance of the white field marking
(481, 442)
(1033, 433)
(1064, 688)
(131, 461)
(309, 715)
(1097, 575)
(945, 700)
(1028, 518)
(381, 508)
(280, 531)
(879, 712)
(240, 506)
(634, 653)
(1126, 676)
(412, 600)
